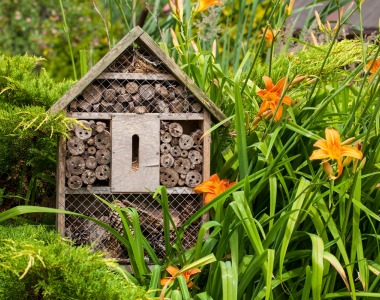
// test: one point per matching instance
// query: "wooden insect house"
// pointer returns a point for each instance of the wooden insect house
(143, 118)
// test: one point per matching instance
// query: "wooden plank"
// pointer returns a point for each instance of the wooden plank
(93, 190)
(94, 116)
(148, 43)
(126, 174)
(164, 116)
(96, 70)
(206, 147)
(180, 190)
(137, 76)
(60, 182)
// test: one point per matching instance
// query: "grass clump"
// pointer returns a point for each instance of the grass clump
(36, 263)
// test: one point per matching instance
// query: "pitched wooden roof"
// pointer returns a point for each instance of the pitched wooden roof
(137, 35)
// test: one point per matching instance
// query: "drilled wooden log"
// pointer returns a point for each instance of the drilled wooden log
(166, 137)
(73, 105)
(196, 107)
(131, 107)
(118, 88)
(179, 90)
(102, 172)
(90, 142)
(174, 141)
(185, 142)
(176, 106)
(100, 127)
(182, 176)
(118, 107)
(91, 163)
(132, 87)
(167, 160)
(75, 146)
(124, 98)
(168, 177)
(74, 182)
(85, 155)
(175, 129)
(147, 92)
(103, 156)
(165, 148)
(91, 150)
(92, 94)
(161, 107)
(161, 90)
(103, 140)
(182, 165)
(83, 132)
(193, 178)
(75, 165)
(141, 109)
(181, 182)
(184, 153)
(196, 136)
(68, 174)
(96, 107)
(109, 95)
(195, 157)
(84, 106)
(198, 168)
(175, 151)
(88, 177)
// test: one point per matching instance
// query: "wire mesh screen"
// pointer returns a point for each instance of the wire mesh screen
(82, 231)
(136, 82)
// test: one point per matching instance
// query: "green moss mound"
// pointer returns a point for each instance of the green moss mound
(36, 263)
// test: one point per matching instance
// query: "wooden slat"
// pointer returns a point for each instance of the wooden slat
(146, 41)
(95, 116)
(126, 175)
(96, 70)
(163, 116)
(93, 190)
(60, 181)
(180, 190)
(137, 76)
(206, 148)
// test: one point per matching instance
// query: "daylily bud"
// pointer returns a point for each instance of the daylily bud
(362, 163)
(195, 47)
(313, 38)
(176, 7)
(175, 40)
(328, 169)
(213, 50)
(348, 141)
(289, 8)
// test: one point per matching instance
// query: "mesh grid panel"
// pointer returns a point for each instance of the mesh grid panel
(135, 82)
(82, 231)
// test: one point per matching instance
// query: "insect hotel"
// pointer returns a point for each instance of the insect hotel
(143, 121)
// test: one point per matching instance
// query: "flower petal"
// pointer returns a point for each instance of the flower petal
(264, 107)
(321, 144)
(268, 82)
(214, 178)
(209, 197)
(332, 138)
(205, 187)
(278, 115)
(193, 271)
(287, 100)
(351, 152)
(172, 270)
(280, 86)
(166, 280)
(319, 154)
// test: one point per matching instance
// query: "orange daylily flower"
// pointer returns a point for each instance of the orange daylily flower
(205, 4)
(375, 67)
(271, 96)
(213, 187)
(332, 148)
(174, 272)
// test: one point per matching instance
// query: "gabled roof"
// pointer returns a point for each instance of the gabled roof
(139, 36)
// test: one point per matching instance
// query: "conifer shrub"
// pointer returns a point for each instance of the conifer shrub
(36, 263)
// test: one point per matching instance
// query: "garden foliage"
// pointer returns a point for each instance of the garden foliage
(36, 263)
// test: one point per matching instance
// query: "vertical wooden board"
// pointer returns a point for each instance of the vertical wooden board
(60, 179)
(206, 156)
(126, 174)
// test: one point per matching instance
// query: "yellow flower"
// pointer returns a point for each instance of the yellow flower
(173, 271)
(213, 187)
(332, 148)
(374, 68)
(205, 4)
(271, 96)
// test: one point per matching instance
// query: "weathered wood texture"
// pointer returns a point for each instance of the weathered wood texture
(60, 180)
(141, 175)
(136, 76)
(96, 70)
